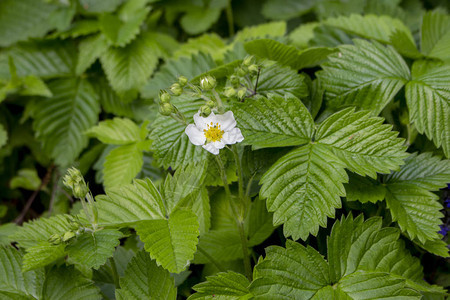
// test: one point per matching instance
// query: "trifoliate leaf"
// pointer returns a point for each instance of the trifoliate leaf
(171, 146)
(275, 121)
(368, 72)
(145, 280)
(42, 255)
(428, 102)
(288, 55)
(118, 131)
(92, 249)
(273, 29)
(303, 188)
(90, 49)
(171, 241)
(61, 120)
(362, 142)
(379, 28)
(229, 285)
(435, 35)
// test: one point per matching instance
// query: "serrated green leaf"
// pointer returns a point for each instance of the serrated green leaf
(201, 207)
(145, 280)
(12, 280)
(189, 67)
(39, 230)
(3, 136)
(404, 45)
(23, 19)
(364, 189)
(92, 249)
(6, 231)
(437, 247)
(209, 43)
(288, 55)
(282, 81)
(272, 29)
(222, 245)
(199, 19)
(89, 50)
(435, 35)
(79, 28)
(172, 242)
(229, 285)
(303, 188)
(423, 170)
(286, 9)
(416, 210)
(60, 121)
(26, 179)
(379, 28)
(275, 121)
(96, 6)
(68, 283)
(118, 131)
(428, 102)
(368, 72)
(41, 255)
(301, 36)
(128, 68)
(259, 223)
(171, 146)
(130, 203)
(362, 142)
(122, 164)
(213, 173)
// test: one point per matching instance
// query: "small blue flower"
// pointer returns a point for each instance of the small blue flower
(444, 230)
(447, 203)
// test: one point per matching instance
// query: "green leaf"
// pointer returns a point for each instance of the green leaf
(6, 230)
(27, 179)
(213, 173)
(286, 9)
(39, 230)
(417, 211)
(145, 280)
(68, 283)
(189, 67)
(281, 81)
(23, 19)
(223, 245)
(60, 121)
(292, 273)
(12, 280)
(362, 142)
(128, 68)
(3, 136)
(42, 255)
(201, 207)
(171, 242)
(90, 49)
(79, 28)
(275, 121)
(130, 203)
(306, 184)
(272, 29)
(428, 102)
(368, 72)
(209, 43)
(404, 45)
(437, 247)
(259, 223)
(364, 189)
(423, 170)
(374, 27)
(229, 285)
(122, 164)
(301, 36)
(198, 20)
(92, 249)
(171, 146)
(288, 55)
(435, 35)
(95, 6)
(117, 131)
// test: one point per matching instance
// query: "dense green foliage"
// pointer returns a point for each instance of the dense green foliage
(338, 190)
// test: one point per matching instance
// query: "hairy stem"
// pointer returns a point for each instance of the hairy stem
(230, 19)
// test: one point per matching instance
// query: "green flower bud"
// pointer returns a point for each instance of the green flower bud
(207, 83)
(176, 89)
(253, 69)
(235, 80)
(241, 93)
(242, 71)
(248, 61)
(229, 92)
(205, 111)
(166, 109)
(69, 235)
(54, 239)
(211, 104)
(164, 96)
(182, 80)
(75, 181)
(80, 191)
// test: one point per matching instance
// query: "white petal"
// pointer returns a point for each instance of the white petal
(226, 121)
(201, 122)
(211, 148)
(233, 136)
(196, 136)
(219, 144)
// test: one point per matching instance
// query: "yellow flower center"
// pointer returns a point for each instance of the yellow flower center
(213, 133)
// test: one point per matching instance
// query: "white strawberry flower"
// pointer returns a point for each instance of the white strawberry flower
(214, 131)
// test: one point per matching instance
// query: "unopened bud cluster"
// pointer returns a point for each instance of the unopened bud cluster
(241, 81)
(75, 181)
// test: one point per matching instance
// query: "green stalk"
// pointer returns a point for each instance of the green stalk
(114, 272)
(230, 19)
(237, 159)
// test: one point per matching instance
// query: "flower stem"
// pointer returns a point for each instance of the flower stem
(238, 218)
(230, 19)
(114, 272)
(237, 159)
(220, 106)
